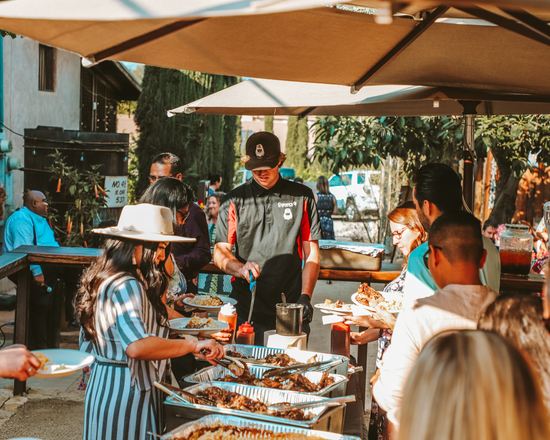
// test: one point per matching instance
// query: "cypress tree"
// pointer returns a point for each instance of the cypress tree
(204, 143)
(268, 123)
(296, 145)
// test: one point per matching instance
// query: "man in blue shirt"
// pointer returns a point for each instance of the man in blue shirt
(28, 226)
(437, 190)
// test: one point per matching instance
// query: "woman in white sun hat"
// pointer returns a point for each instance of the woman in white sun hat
(120, 308)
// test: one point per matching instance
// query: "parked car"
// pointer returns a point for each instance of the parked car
(356, 192)
(242, 175)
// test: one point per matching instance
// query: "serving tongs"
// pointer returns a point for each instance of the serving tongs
(301, 368)
(183, 396)
(336, 401)
(236, 366)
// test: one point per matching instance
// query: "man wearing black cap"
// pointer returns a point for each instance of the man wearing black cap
(273, 225)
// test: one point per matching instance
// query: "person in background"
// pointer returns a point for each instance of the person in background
(214, 284)
(437, 190)
(407, 234)
(454, 256)
(274, 227)
(190, 257)
(29, 226)
(299, 180)
(518, 319)
(489, 229)
(326, 207)
(472, 384)
(119, 305)
(215, 183)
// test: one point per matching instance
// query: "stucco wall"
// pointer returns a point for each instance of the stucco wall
(27, 107)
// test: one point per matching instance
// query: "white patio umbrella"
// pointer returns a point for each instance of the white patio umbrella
(268, 97)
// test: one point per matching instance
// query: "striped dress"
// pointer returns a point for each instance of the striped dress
(121, 401)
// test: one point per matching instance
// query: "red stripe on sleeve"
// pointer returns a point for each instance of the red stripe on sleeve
(305, 227)
(232, 224)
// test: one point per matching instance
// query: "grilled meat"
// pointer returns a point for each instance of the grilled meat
(231, 400)
(366, 293)
(280, 360)
(296, 382)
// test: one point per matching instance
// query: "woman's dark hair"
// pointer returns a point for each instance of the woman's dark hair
(322, 185)
(171, 193)
(439, 184)
(518, 318)
(117, 260)
(214, 178)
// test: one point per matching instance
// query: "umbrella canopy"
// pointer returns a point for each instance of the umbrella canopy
(322, 45)
(269, 97)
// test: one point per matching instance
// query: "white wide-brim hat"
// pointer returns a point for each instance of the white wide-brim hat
(145, 222)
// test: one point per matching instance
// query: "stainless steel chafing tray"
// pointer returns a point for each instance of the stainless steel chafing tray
(299, 355)
(215, 373)
(184, 431)
(325, 418)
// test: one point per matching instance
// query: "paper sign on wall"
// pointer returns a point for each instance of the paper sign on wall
(117, 191)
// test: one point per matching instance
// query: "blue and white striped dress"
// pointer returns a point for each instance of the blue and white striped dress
(121, 401)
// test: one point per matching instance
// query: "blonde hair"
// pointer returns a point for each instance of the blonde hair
(472, 384)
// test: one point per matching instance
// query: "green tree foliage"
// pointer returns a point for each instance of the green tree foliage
(296, 145)
(204, 143)
(351, 142)
(268, 123)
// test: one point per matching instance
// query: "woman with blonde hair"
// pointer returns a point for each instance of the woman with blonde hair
(472, 384)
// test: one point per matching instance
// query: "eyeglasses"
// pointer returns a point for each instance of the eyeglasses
(153, 179)
(398, 234)
(427, 255)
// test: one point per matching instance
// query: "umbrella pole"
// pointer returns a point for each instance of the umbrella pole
(469, 137)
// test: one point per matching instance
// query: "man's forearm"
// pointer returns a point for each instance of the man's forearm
(226, 261)
(309, 277)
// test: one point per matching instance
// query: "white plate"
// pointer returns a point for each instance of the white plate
(372, 309)
(210, 309)
(73, 360)
(339, 312)
(178, 326)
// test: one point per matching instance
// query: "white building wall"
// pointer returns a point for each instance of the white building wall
(27, 107)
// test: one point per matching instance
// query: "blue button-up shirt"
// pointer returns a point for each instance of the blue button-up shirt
(20, 230)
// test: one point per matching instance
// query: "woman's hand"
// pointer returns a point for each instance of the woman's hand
(224, 335)
(179, 302)
(215, 350)
(365, 321)
(18, 363)
(364, 337)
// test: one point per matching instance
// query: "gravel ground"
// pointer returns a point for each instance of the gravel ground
(49, 419)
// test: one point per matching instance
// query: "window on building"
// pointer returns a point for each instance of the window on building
(46, 68)
(361, 178)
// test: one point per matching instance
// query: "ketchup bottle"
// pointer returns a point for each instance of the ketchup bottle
(339, 339)
(245, 334)
(228, 314)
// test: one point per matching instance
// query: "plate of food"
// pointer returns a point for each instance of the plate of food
(60, 362)
(390, 302)
(196, 326)
(208, 303)
(336, 308)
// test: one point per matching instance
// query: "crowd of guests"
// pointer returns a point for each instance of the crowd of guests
(459, 361)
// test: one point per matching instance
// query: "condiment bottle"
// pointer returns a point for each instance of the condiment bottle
(228, 314)
(339, 339)
(245, 334)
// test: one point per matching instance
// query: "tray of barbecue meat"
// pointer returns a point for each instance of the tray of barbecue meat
(232, 427)
(277, 357)
(251, 403)
(315, 383)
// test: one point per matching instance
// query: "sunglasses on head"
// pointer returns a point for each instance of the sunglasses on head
(427, 255)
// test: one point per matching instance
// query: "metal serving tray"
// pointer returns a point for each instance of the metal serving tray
(325, 418)
(184, 431)
(215, 373)
(299, 355)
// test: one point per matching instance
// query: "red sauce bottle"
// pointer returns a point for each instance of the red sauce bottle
(245, 334)
(339, 339)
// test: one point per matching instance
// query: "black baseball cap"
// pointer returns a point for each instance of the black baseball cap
(263, 151)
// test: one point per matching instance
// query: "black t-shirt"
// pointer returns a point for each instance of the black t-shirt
(268, 226)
